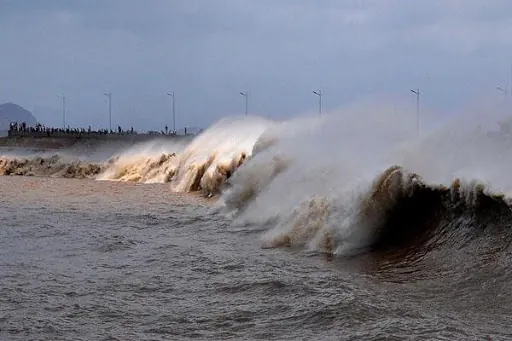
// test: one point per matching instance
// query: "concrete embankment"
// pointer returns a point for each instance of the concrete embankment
(48, 143)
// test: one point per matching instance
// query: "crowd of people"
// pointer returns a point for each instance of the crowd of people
(22, 129)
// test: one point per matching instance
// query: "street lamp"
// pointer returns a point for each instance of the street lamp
(63, 109)
(171, 93)
(246, 95)
(505, 93)
(417, 93)
(109, 96)
(319, 94)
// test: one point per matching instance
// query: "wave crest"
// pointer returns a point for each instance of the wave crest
(325, 186)
(203, 165)
(55, 166)
(397, 209)
(140, 168)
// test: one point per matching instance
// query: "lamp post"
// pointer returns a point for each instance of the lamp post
(246, 95)
(504, 91)
(171, 93)
(109, 96)
(417, 93)
(63, 109)
(319, 94)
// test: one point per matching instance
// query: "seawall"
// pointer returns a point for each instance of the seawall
(40, 141)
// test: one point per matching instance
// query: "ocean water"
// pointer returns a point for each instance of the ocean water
(88, 260)
(255, 230)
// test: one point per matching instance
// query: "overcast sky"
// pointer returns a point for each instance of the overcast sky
(207, 51)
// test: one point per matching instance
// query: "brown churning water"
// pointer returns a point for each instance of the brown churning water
(252, 232)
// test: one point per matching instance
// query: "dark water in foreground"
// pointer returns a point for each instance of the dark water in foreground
(90, 260)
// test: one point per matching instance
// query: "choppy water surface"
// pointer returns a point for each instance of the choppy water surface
(89, 260)
(336, 228)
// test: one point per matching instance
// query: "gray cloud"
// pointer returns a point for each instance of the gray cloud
(207, 51)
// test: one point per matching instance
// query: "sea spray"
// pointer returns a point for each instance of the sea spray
(331, 184)
(216, 154)
(201, 165)
(149, 162)
(339, 182)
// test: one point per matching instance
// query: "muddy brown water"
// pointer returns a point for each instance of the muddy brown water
(94, 260)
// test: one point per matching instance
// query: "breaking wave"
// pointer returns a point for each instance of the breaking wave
(359, 180)
(203, 165)
(55, 166)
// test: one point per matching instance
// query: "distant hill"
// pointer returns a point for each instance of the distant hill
(10, 112)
